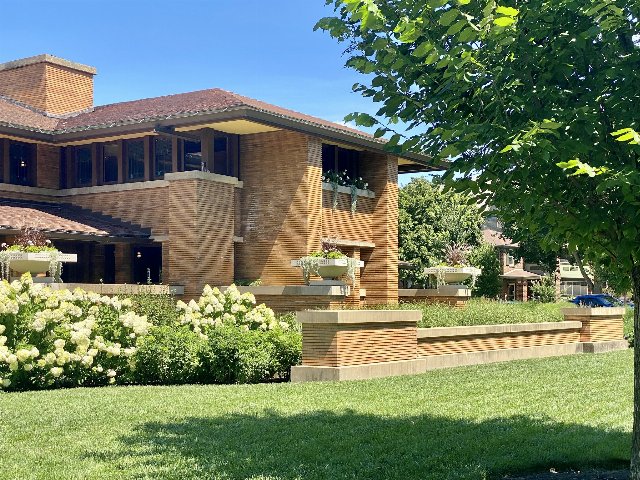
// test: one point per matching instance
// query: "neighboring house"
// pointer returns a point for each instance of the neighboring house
(206, 187)
(571, 283)
(515, 279)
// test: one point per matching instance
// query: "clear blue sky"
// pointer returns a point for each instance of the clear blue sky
(265, 49)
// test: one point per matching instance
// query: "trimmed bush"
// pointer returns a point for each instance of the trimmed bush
(169, 355)
(480, 311)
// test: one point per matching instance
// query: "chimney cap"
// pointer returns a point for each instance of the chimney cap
(46, 58)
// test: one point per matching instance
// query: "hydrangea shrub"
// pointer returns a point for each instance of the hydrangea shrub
(58, 337)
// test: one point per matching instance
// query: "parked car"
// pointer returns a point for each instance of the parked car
(600, 300)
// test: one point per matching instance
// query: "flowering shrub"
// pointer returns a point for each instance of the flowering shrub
(229, 308)
(58, 337)
(54, 338)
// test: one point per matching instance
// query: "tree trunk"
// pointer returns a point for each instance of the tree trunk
(586, 277)
(635, 445)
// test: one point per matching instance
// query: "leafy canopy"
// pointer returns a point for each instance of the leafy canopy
(430, 220)
(507, 91)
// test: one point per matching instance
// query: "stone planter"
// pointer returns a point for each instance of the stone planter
(329, 268)
(452, 275)
(36, 263)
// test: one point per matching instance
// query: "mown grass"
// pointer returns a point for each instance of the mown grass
(466, 423)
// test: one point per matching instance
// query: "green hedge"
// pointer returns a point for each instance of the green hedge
(480, 311)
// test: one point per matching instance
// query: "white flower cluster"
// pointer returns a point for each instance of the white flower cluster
(46, 334)
(230, 307)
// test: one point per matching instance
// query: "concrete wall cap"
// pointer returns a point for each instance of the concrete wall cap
(594, 311)
(198, 175)
(443, 291)
(359, 316)
(315, 290)
(47, 58)
(479, 330)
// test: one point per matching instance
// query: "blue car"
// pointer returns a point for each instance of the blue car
(599, 300)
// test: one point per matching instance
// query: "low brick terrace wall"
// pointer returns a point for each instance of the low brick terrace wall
(362, 344)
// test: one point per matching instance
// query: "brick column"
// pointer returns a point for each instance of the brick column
(123, 263)
(380, 274)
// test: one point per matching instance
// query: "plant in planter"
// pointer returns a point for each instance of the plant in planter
(456, 267)
(328, 263)
(33, 252)
(336, 179)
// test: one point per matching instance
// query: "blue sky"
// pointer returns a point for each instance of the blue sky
(265, 49)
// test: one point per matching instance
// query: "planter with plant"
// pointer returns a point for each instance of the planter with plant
(455, 269)
(33, 252)
(357, 186)
(328, 263)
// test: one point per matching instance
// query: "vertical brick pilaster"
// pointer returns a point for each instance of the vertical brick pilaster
(124, 263)
(48, 166)
(380, 274)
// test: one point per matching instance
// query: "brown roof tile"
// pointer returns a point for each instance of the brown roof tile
(150, 109)
(64, 218)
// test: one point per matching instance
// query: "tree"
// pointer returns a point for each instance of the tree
(430, 219)
(508, 93)
(488, 284)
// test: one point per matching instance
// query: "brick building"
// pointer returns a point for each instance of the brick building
(206, 187)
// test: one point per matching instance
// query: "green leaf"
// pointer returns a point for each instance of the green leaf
(504, 21)
(464, 2)
(621, 131)
(448, 17)
(625, 137)
(508, 11)
(423, 49)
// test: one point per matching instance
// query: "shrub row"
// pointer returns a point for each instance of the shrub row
(61, 338)
(480, 311)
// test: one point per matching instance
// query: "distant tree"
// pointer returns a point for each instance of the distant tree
(488, 284)
(431, 219)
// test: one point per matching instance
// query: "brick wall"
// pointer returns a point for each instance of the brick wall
(52, 88)
(380, 274)
(48, 166)
(280, 205)
(201, 228)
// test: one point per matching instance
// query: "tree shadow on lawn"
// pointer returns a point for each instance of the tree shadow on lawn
(333, 445)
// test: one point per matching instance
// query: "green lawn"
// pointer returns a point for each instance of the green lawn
(471, 422)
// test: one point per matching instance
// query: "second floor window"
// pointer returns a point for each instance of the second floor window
(110, 162)
(84, 165)
(221, 157)
(162, 154)
(20, 163)
(342, 160)
(135, 159)
(192, 152)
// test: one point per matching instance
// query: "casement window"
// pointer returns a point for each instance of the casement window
(341, 160)
(192, 155)
(162, 155)
(84, 165)
(21, 163)
(221, 164)
(134, 155)
(109, 162)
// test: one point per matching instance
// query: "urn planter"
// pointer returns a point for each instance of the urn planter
(36, 263)
(328, 268)
(452, 275)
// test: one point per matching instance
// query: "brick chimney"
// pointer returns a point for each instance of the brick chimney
(50, 84)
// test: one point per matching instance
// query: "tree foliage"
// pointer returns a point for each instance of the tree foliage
(488, 284)
(430, 220)
(509, 92)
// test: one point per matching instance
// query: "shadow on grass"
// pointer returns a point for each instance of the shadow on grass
(329, 445)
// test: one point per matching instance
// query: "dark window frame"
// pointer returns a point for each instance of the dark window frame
(353, 170)
(157, 172)
(29, 159)
(103, 150)
(127, 161)
(76, 165)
